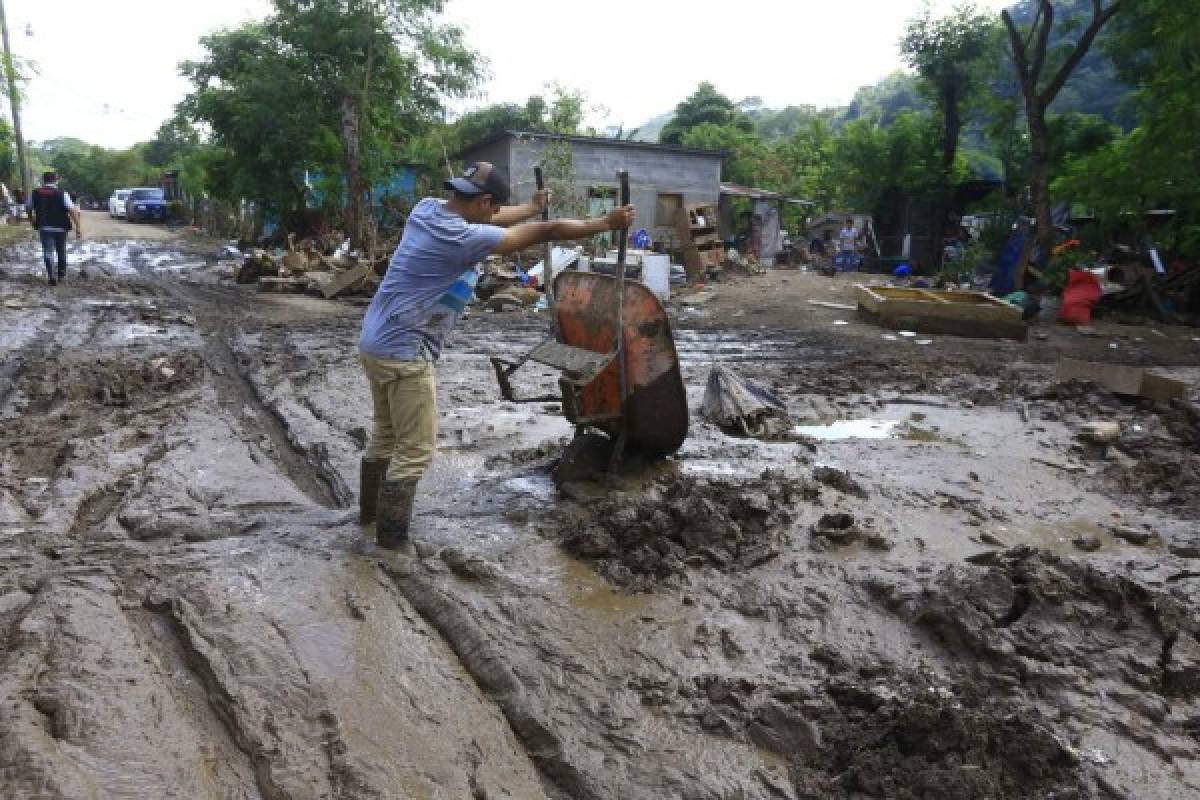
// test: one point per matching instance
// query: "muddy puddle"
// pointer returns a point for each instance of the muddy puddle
(111, 259)
(889, 605)
(910, 422)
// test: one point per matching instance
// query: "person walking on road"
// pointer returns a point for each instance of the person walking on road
(430, 280)
(52, 214)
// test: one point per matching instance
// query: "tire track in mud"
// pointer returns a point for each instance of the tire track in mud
(308, 471)
(43, 344)
(212, 707)
(481, 660)
(100, 504)
(234, 719)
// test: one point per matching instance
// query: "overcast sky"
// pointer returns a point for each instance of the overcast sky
(107, 68)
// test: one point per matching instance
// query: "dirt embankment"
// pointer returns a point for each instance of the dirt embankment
(186, 608)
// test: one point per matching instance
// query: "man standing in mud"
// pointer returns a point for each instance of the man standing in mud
(429, 282)
(52, 215)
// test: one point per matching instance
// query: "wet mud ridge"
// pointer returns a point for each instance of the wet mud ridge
(962, 599)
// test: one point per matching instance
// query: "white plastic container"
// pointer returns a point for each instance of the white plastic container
(656, 274)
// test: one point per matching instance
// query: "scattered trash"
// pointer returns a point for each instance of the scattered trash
(561, 258)
(1079, 297)
(739, 407)
(1132, 535)
(906, 334)
(698, 298)
(840, 322)
(1101, 431)
(924, 341)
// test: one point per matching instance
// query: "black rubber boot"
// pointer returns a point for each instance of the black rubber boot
(394, 513)
(370, 475)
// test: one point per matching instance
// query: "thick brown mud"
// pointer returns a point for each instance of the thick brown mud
(934, 589)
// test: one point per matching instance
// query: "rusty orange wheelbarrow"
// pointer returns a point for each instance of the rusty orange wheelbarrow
(629, 386)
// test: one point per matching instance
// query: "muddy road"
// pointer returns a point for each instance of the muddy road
(934, 589)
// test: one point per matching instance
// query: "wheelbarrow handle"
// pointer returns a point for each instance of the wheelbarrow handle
(540, 179)
(623, 180)
(619, 344)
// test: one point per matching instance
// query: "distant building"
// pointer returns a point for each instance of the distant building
(661, 178)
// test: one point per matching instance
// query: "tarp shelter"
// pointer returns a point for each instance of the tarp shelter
(765, 221)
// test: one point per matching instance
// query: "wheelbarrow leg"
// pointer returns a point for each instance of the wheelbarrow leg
(618, 453)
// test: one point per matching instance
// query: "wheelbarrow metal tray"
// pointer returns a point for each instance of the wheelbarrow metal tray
(655, 419)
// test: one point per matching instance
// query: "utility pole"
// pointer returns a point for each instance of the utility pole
(14, 98)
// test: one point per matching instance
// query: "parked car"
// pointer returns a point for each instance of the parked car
(116, 203)
(146, 204)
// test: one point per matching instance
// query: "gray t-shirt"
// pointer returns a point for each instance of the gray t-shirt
(429, 282)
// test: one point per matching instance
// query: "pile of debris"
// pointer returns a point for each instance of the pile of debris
(742, 408)
(1167, 298)
(748, 264)
(505, 286)
(318, 265)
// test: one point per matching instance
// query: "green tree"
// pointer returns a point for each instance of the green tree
(335, 86)
(172, 142)
(704, 106)
(92, 171)
(1042, 73)
(479, 124)
(747, 157)
(8, 155)
(1095, 86)
(948, 54)
(1152, 44)
(874, 168)
(566, 110)
(897, 92)
(777, 126)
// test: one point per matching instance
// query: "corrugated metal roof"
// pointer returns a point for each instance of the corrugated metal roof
(735, 190)
(601, 140)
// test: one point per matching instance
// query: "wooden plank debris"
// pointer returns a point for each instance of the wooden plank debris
(346, 280)
(1121, 379)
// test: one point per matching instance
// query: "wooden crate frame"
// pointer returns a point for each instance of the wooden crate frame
(958, 313)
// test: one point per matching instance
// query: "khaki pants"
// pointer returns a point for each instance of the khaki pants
(404, 396)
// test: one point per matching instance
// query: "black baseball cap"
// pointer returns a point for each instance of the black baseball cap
(481, 178)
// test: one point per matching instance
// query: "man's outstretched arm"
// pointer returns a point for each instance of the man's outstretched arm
(562, 230)
(511, 215)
